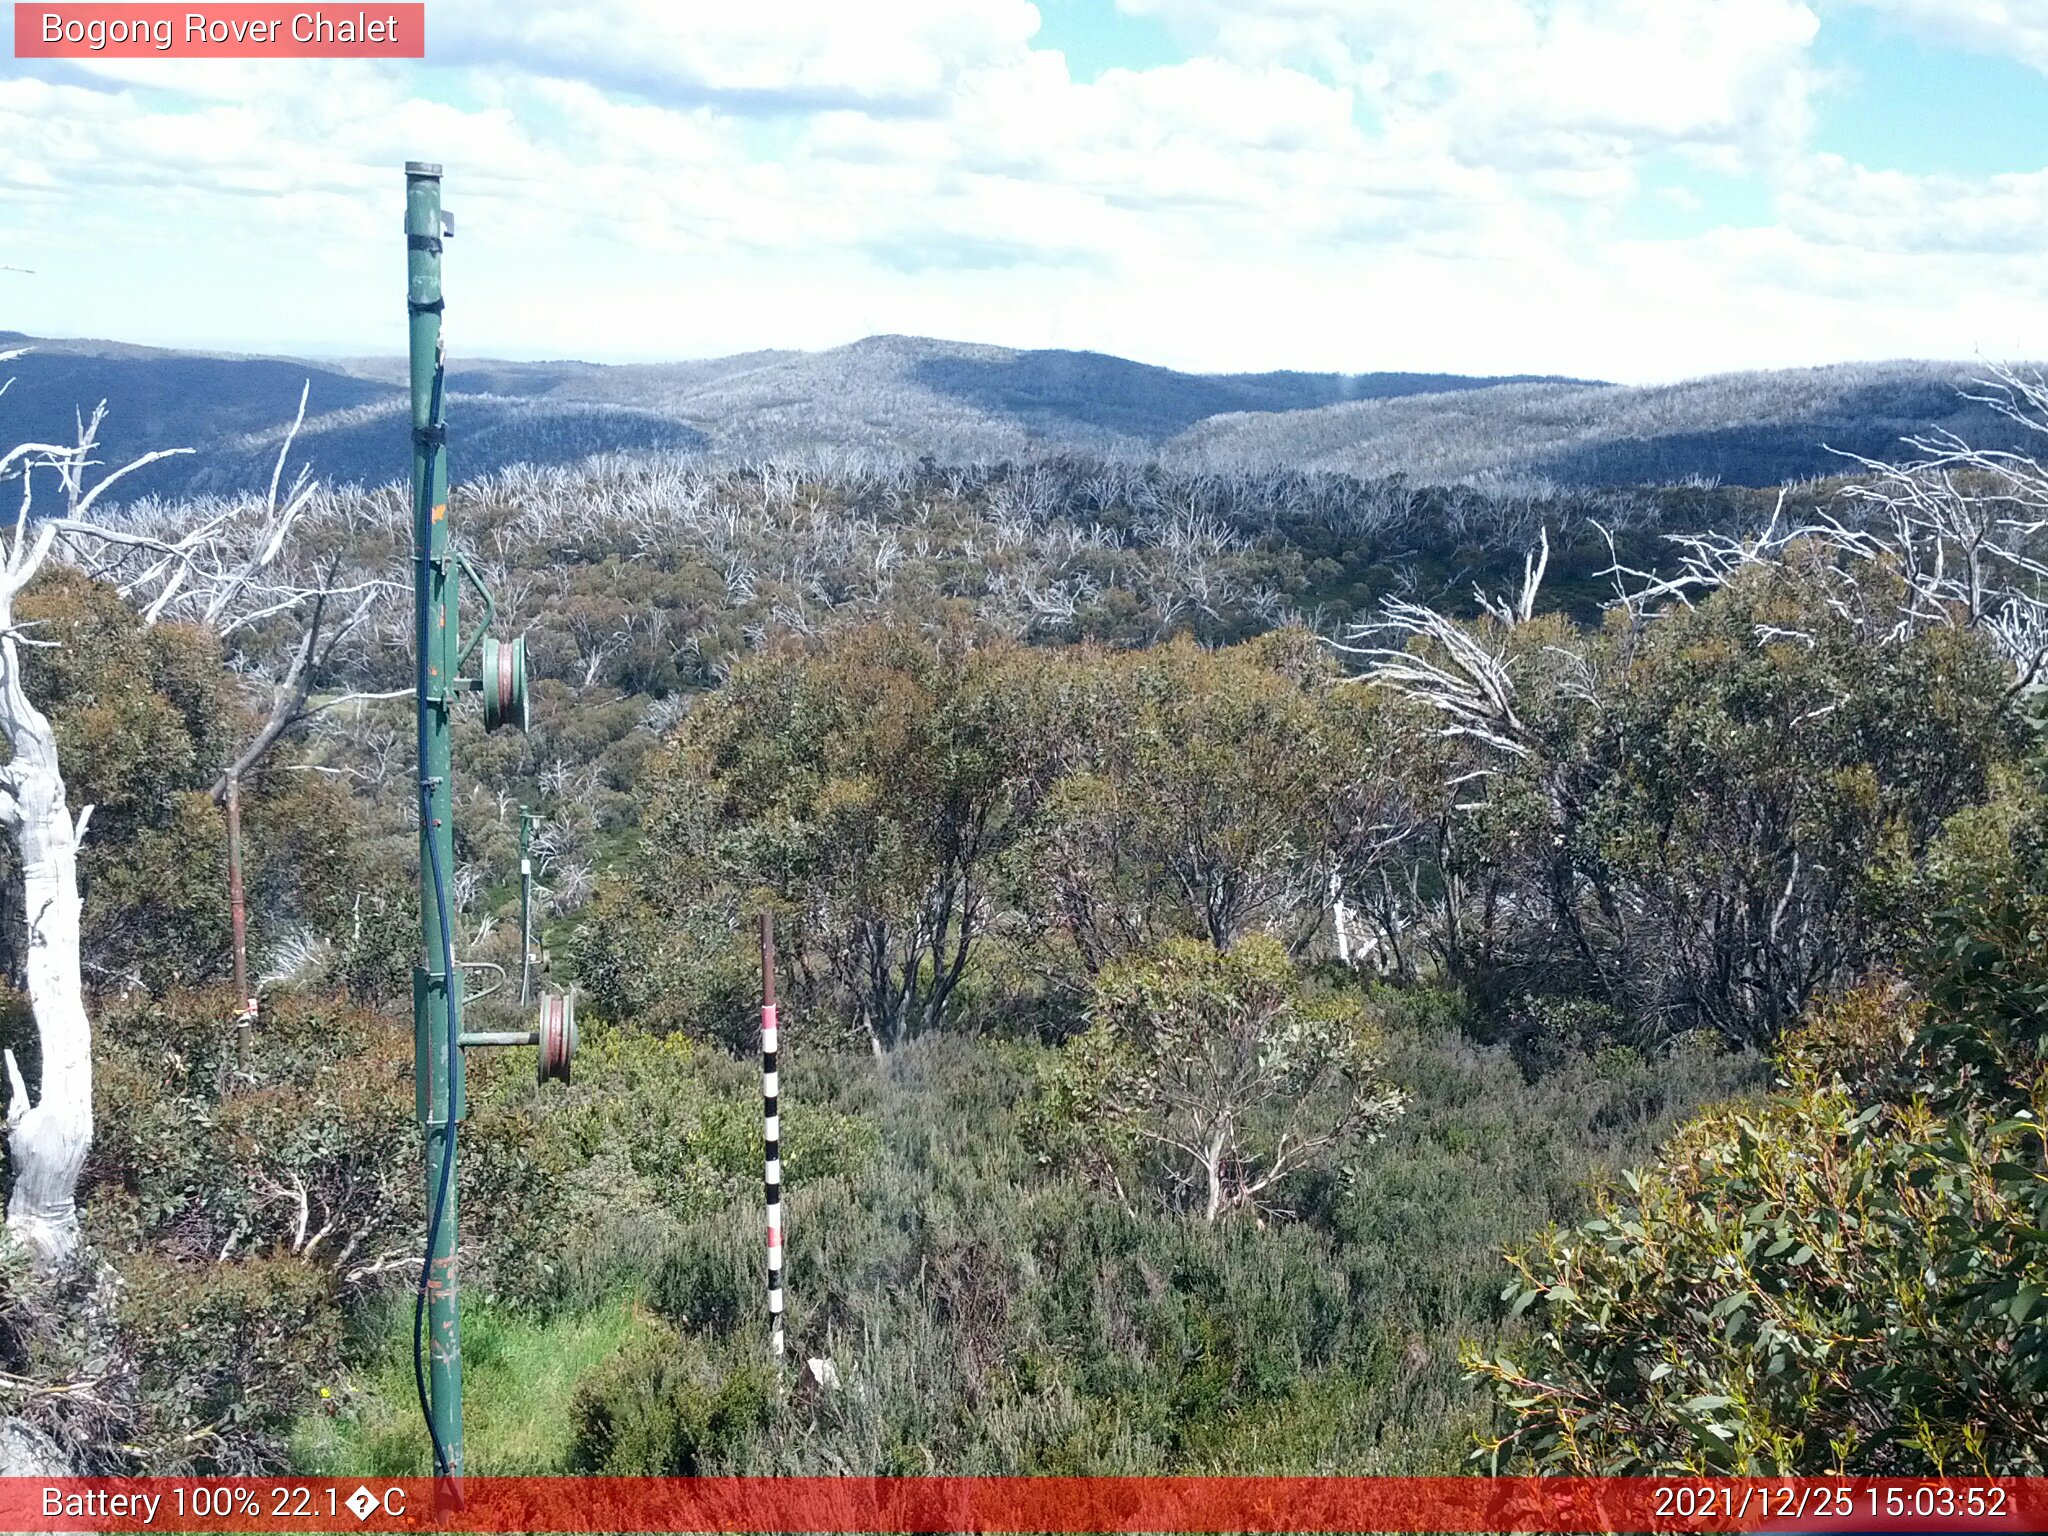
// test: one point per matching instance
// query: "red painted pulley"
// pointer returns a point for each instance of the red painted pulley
(503, 665)
(557, 1036)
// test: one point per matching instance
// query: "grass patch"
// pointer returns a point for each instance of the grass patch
(519, 1373)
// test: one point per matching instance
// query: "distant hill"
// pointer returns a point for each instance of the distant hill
(233, 410)
(159, 399)
(1756, 429)
(1047, 394)
(905, 397)
(887, 397)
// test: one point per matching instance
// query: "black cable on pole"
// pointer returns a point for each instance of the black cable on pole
(441, 906)
(447, 1180)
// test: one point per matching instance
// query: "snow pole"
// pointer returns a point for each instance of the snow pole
(771, 1133)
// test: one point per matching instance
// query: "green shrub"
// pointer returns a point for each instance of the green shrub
(665, 1412)
(379, 945)
(1848, 1278)
(1214, 1076)
(1810, 1287)
(226, 1357)
(711, 1274)
(1858, 1041)
(239, 1208)
(987, 1315)
(586, 1187)
(307, 1149)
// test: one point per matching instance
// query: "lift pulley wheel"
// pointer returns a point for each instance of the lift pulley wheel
(503, 664)
(557, 1036)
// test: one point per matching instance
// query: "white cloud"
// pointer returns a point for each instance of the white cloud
(1322, 183)
(2017, 29)
(1834, 202)
(795, 54)
(1523, 83)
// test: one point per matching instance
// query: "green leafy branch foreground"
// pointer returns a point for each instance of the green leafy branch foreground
(1847, 1276)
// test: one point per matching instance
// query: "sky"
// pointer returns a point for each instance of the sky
(1638, 190)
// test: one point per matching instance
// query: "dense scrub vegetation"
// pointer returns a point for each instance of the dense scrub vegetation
(1681, 829)
(1221, 918)
(643, 586)
(987, 1314)
(1850, 1274)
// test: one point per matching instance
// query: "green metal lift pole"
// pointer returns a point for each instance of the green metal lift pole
(437, 1002)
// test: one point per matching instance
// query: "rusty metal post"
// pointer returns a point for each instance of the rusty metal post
(525, 906)
(245, 1005)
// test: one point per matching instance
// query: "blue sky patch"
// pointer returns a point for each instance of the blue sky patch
(1900, 104)
(1096, 36)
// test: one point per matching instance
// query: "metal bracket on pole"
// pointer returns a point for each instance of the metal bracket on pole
(439, 1041)
(490, 608)
(556, 1035)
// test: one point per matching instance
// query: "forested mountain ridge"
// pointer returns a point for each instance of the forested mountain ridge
(1756, 429)
(896, 399)
(891, 398)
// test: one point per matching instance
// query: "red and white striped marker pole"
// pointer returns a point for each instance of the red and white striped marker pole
(771, 1128)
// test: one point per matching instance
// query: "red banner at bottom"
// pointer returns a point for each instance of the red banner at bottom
(921, 1504)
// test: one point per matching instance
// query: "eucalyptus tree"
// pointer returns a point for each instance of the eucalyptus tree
(1213, 794)
(48, 1135)
(1705, 810)
(1212, 1078)
(868, 786)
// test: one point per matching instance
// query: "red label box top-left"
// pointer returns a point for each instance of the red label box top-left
(220, 31)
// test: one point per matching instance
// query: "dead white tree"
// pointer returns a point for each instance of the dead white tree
(47, 1136)
(597, 642)
(237, 569)
(1473, 675)
(1457, 670)
(1963, 530)
(1964, 527)
(211, 569)
(330, 613)
(1522, 608)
